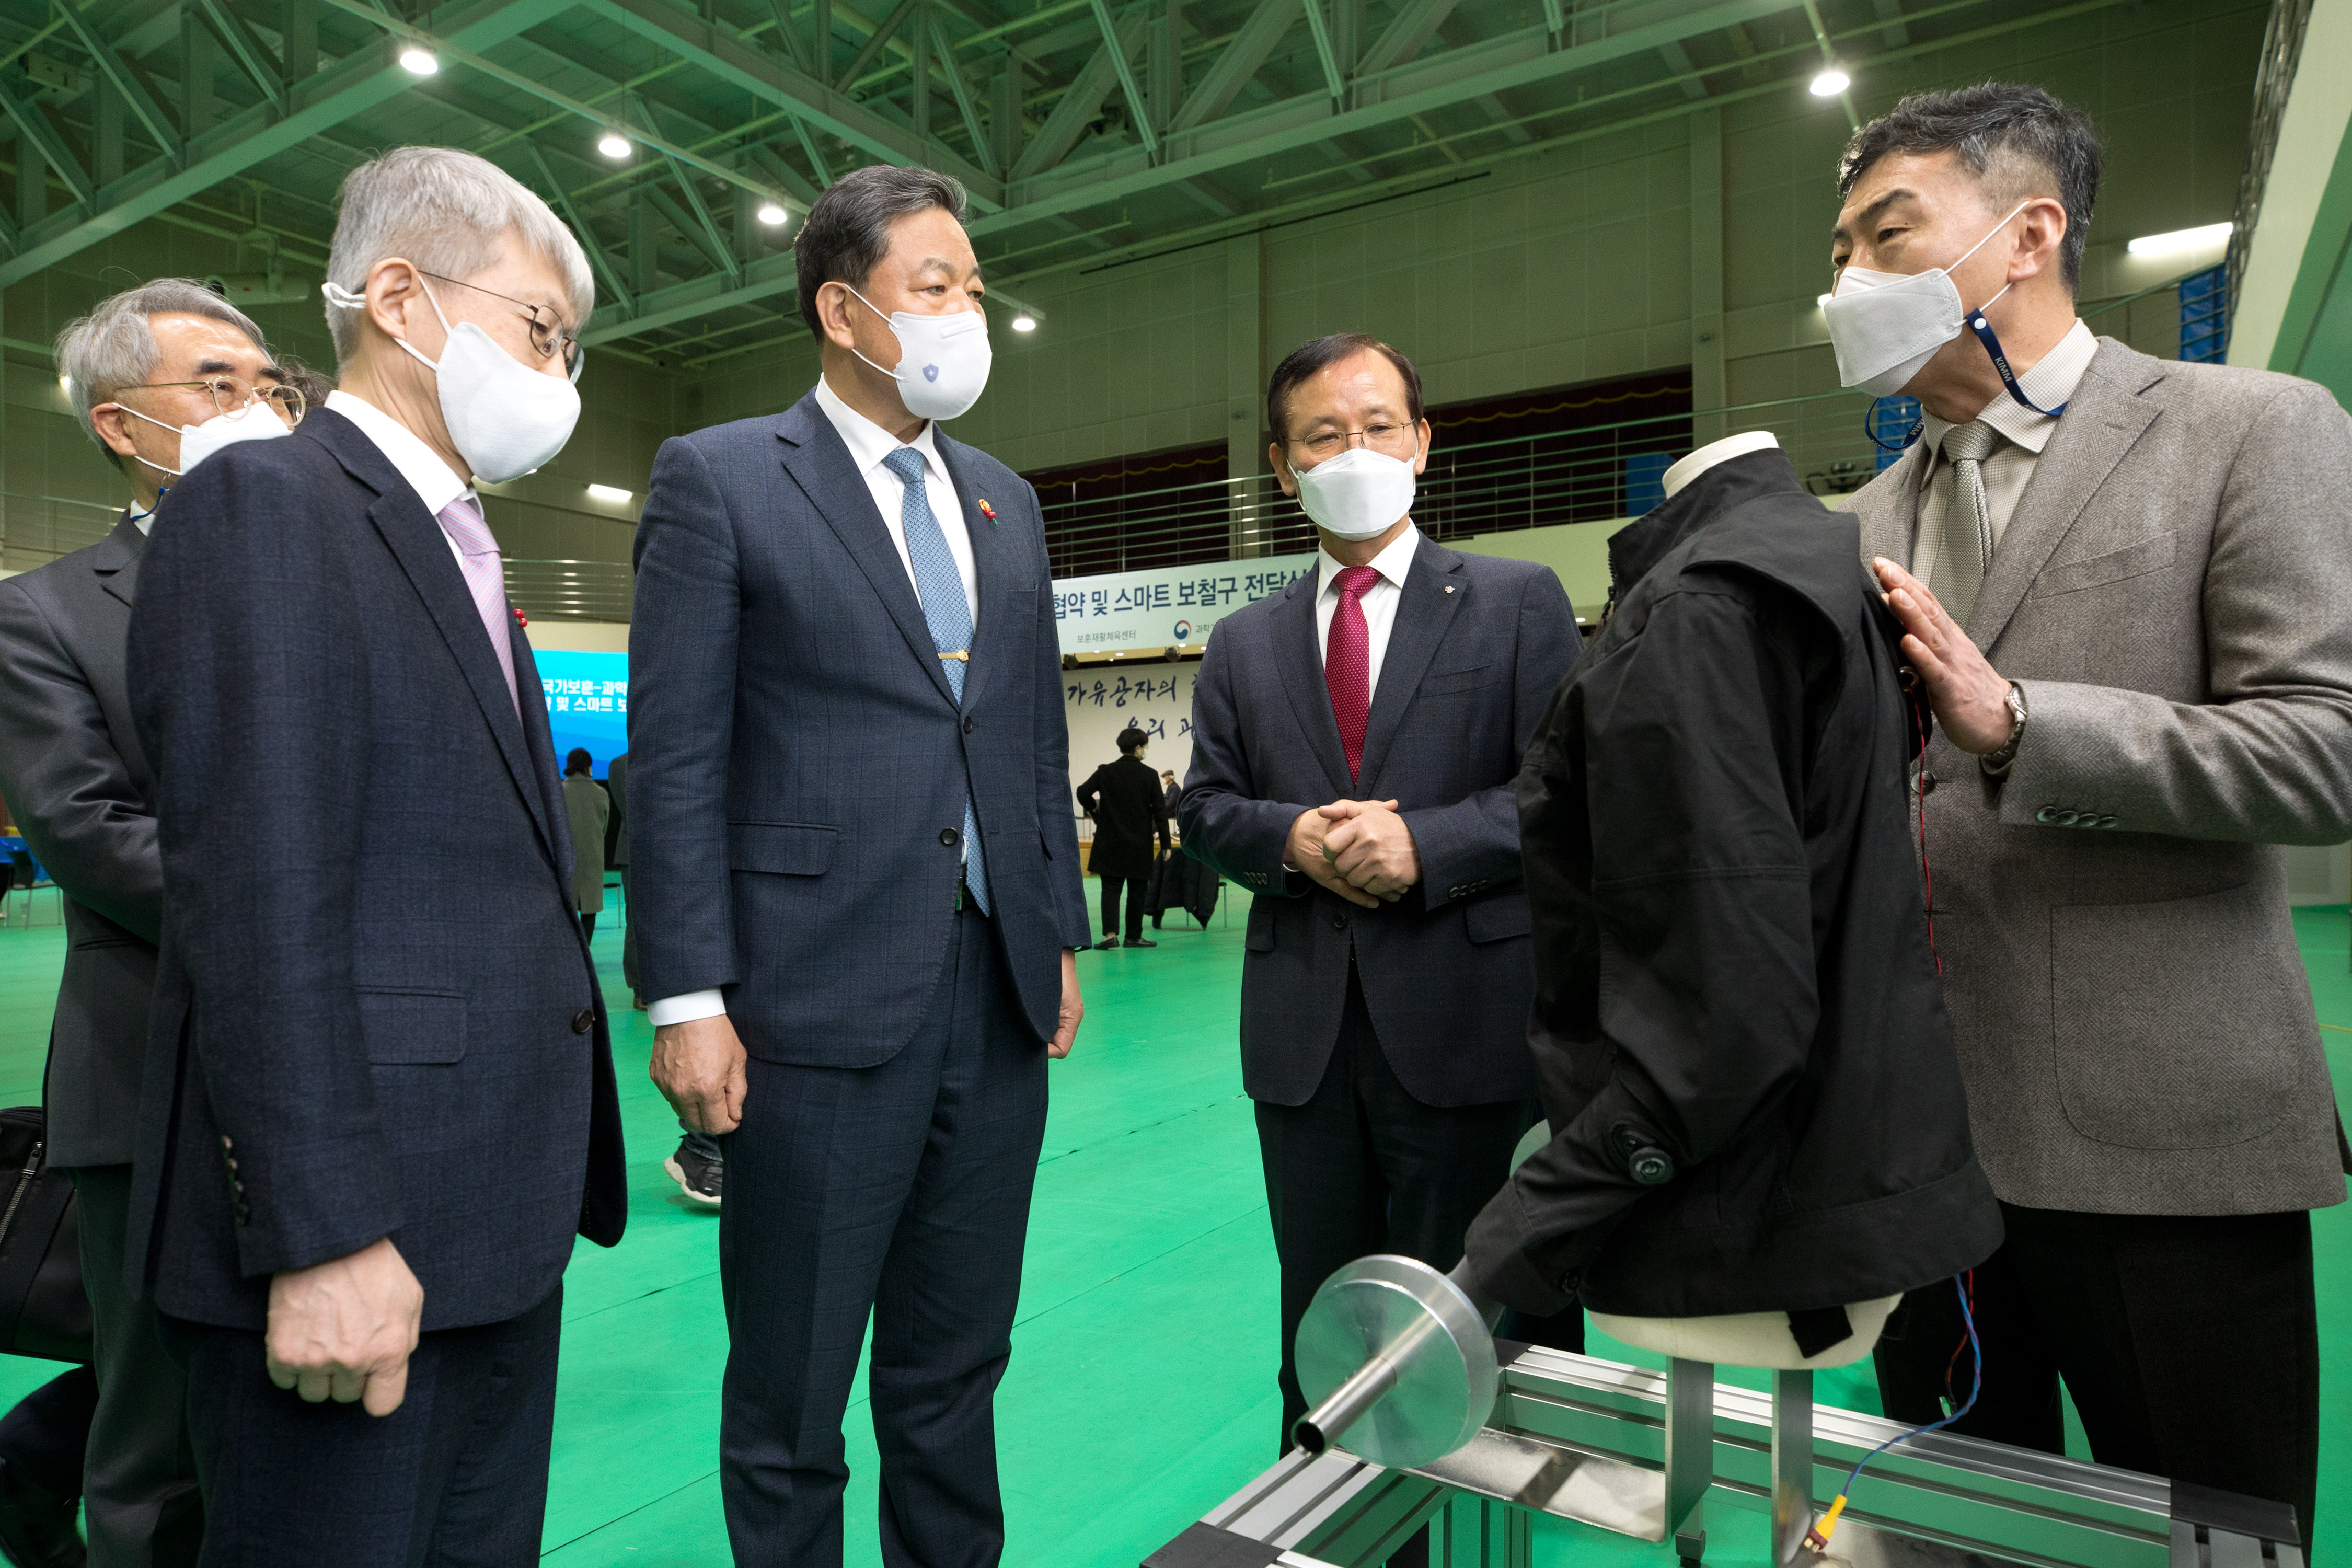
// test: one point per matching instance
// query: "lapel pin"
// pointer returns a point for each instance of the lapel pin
(1449, 587)
(520, 619)
(988, 511)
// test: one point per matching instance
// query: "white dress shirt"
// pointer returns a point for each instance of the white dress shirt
(2010, 469)
(437, 484)
(868, 444)
(1379, 601)
(143, 518)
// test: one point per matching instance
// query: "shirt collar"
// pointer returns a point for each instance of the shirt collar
(1393, 562)
(435, 482)
(141, 518)
(2051, 381)
(869, 442)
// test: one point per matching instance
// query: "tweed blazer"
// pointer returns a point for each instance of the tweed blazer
(2134, 1025)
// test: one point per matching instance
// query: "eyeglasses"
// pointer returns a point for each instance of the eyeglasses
(549, 335)
(1393, 439)
(230, 394)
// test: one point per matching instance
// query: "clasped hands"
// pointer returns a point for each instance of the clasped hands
(1360, 849)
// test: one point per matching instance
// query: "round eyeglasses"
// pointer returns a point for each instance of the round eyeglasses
(549, 335)
(1394, 440)
(232, 393)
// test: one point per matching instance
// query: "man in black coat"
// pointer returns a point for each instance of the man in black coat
(138, 366)
(379, 1100)
(1742, 1042)
(1354, 740)
(1130, 813)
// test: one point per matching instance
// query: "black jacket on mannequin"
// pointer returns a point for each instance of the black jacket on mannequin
(1737, 1024)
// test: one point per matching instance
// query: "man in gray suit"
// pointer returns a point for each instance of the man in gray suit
(1355, 740)
(2124, 582)
(138, 368)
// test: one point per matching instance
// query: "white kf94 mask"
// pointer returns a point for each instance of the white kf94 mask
(1357, 494)
(943, 361)
(1886, 326)
(253, 422)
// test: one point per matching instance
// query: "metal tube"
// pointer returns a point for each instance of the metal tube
(1349, 1403)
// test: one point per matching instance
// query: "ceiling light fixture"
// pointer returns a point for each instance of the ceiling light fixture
(772, 214)
(1024, 324)
(613, 145)
(2181, 238)
(612, 494)
(418, 62)
(1830, 83)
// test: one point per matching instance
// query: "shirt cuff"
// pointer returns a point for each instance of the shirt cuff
(685, 1009)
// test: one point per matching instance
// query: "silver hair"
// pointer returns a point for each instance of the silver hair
(449, 212)
(114, 346)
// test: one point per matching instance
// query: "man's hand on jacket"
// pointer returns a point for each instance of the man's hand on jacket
(698, 1067)
(1970, 697)
(1370, 846)
(1303, 851)
(344, 1329)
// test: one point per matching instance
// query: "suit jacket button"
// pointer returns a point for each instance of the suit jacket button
(966, 724)
(583, 1020)
(2106, 822)
(948, 836)
(2068, 818)
(1926, 783)
(226, 1144)
(2046, 816)
(1340, 922)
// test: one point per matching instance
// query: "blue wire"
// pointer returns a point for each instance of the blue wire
(1976, 1387)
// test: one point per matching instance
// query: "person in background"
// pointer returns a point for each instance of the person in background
(616, 856)
(314, 384)
(1169, 792)
(1129, 812)
(1355, 743)
(380, 1101)
(2123, 581)
(589, 809)
(158, 376)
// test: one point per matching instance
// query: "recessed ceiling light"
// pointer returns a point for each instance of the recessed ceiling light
(772, 214)
(613, 145)
(1830, 83)
(1024, 324)
(612, 493)
(2181, 238)
(418, 62)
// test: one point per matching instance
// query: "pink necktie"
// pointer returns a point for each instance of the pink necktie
(1347, 662)
(461, 519)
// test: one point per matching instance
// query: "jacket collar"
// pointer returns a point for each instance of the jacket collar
(1715, 520)
(115, 560)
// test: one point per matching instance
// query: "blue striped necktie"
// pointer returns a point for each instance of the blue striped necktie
(941, 587)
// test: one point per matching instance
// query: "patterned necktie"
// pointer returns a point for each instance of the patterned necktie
(486, 579)
(1347, 662)
(941, 587)
(1967, 519)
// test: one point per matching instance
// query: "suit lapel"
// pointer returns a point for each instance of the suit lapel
(540, 740)
(995, 566)
(1299, 665)
(416, 541)
(2103, 420)
(1433, 593)
(116, 561)
(820, 464)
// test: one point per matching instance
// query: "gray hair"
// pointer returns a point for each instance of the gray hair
(2027, 142)
(848, 229)
(114, 346)
(449, 212)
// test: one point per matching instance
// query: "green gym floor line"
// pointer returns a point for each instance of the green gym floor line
(1141, 1385)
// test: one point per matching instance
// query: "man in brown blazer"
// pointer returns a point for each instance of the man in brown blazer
(2125, 581)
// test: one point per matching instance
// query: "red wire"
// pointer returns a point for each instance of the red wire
(1953, 1366)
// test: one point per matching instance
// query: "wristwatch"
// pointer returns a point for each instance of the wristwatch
(1996, 762)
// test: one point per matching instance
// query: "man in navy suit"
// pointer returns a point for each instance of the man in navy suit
(1355, 742)
(857, 883)
(379, 1100)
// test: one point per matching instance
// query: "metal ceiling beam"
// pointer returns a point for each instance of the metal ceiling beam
(1405, 37)
(1248, 50)
(878, 40)
(579, 222)
(964, 105)
(156, 119)
(35, 128)
(1082, 99)
(254, 60)
(702, 237)
(1323, 55)
(1138, 114)
(718, 51)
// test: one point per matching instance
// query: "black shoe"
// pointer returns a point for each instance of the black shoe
(699, 1176)
(37, 1526)
(1107, 941)
(1138, 942)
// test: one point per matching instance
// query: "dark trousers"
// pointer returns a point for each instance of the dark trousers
(1135, 887)
(901, 1190)
(141, 1505)
(2190, 1345)
(628, 933)
(44, 1435)
(587, 925)
(456, 1478)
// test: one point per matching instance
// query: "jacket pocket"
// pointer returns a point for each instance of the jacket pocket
(1492, 919)
(2134, 560)
(780, 848)
(1444, 683)
(413, 1029)
(2175, 1024)
(1259, 937)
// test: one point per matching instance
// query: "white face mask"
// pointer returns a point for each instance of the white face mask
(943, 361)
(253, 422)
(1886, 326)
(504, 417)
(1360, 494)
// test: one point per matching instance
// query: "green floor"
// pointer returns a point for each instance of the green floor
(1142, 1386)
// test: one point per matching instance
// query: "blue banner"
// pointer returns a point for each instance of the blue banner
(587, 703)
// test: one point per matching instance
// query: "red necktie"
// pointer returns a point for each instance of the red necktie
(1347, 662)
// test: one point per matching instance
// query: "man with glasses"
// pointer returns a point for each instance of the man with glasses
(382, 1093)
(149, 371)
(1354, 742)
